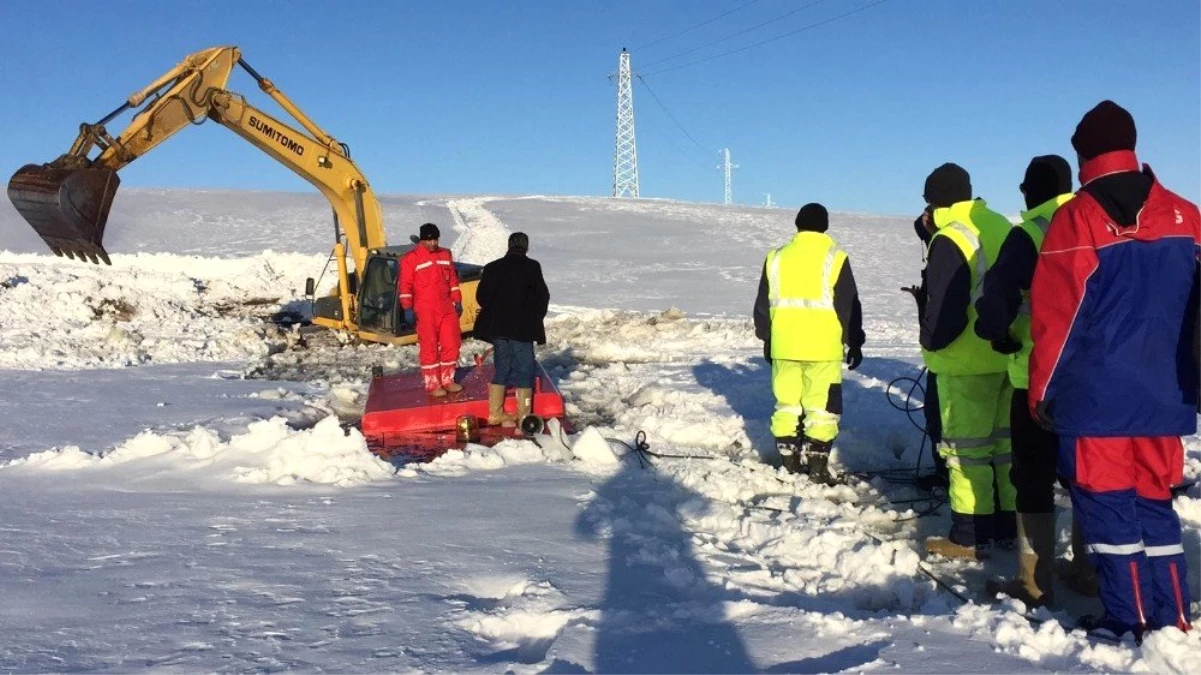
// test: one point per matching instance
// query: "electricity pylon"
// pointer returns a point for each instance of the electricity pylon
(728, 169)
(625, 154)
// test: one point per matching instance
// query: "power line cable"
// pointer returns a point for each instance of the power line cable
(763, 42)
(673, 117)
(661, 132)
(692, 28)
(734, 35)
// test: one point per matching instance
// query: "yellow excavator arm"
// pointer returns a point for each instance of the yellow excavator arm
(67, 201)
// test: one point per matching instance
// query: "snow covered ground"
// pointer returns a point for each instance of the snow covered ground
(181, 496)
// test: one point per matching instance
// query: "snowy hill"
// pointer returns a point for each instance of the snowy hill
(179, 494)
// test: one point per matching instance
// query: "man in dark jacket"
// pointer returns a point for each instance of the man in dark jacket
(1003, 319)
(1113, 305)
(513, 300)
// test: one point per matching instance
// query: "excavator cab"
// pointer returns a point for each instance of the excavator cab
(67, 207)
(377, 296)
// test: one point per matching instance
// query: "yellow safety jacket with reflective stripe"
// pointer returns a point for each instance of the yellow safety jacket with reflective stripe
(800, 284)
(1034, 223)
(978, 232)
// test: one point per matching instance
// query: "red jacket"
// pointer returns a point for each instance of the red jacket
(428, 281)
(1113, 310)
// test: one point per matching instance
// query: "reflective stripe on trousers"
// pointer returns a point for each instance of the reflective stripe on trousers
(974, 411)
(808, 394)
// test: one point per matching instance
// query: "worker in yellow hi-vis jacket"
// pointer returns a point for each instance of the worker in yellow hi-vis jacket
(807, 310)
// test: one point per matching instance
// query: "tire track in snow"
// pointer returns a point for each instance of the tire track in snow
(482, 236)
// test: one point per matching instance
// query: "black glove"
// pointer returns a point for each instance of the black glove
(410, 317)
(854, 357)
(1042, 415)
(919, 295)
(1006, 345)
(459, 308)
(767, 351)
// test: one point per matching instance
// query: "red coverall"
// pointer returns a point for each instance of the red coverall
(429, 286)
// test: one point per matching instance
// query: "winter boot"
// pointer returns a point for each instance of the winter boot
(525, 403)
(1036, 552)
(790, 454)
(818, 455)
(946, 548)
(1102, 625)
(438, 393)
(1078, 573)
(454, 387)
(496, 404)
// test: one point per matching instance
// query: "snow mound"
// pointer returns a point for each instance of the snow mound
(593, 448)
(609, 336)
(589, 447)
(1052, 647)
(146, 308)
(268, 452)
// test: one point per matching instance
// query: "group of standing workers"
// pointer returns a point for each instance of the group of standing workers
(1065, 347)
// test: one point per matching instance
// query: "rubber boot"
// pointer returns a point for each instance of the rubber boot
(1078, 573)
(817, 454)
(1034, 584)
(790, 454)
(946, 548)
(525, 403)
(496, 404)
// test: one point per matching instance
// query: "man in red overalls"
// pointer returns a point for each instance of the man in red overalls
(429, 294)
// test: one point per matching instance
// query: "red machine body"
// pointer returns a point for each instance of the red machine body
(402, 421)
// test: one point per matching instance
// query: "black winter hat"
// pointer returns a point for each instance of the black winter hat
(946, 185)
(519, 242)
(812, 218)
(1108, 127)
(1048, 176)
(429, 231)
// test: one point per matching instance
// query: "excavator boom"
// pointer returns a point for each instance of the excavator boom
(67, 201)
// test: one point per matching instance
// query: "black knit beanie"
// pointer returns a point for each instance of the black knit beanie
(429, 231)
(812, 218)
(946, 185)
(1108, 127)
(1047, 177)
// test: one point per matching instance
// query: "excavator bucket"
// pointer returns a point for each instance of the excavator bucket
(68, 208)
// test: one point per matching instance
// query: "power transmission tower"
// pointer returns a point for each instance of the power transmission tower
(728, 169)
(625, 155)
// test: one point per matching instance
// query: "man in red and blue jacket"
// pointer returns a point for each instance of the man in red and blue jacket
(428, 289)
(1114, 305)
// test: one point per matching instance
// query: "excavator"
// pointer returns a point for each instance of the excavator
(67, 201)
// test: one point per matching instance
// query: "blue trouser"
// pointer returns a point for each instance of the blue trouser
(514, 362)
(1121, 491)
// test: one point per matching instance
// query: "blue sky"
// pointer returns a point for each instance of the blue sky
(507, 97)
